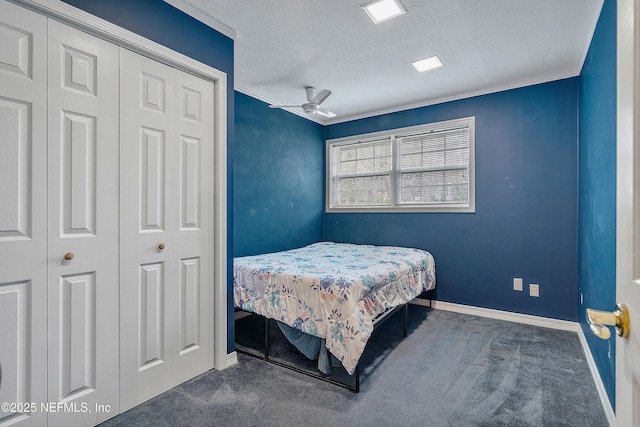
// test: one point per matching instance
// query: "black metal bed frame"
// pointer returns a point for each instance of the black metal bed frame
(356, 388)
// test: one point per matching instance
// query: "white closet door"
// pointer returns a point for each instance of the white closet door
(23, 213)
(193, 225)
(83, 224)
(166, 231)
(146, 162)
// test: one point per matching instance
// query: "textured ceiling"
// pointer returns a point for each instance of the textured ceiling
(486, 45)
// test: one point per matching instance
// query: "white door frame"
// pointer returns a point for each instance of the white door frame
(627, 132)
(105, 30)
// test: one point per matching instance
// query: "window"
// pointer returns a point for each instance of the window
(421, 168)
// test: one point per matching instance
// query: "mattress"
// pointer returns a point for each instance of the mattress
(332, 290)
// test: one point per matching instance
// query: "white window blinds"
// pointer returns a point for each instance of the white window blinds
(434, 167)
(426, 167)
(364, 173)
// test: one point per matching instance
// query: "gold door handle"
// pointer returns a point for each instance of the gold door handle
(160, 246)
(618, 318)
(68, 256)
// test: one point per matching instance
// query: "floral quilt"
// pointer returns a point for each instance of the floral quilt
(332, 290)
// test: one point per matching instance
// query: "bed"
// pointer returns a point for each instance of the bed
(333, 291)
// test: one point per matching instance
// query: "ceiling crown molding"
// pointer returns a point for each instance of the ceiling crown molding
(201, 16)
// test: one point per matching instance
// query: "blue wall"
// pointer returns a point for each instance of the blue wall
(278, 179)
(597, 190)
(525, 220)
(162, 23)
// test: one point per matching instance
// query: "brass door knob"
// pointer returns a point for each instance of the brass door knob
(618, 318)
(160, 246)
(68, 256)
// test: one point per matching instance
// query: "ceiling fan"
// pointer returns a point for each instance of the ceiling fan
(312, 106)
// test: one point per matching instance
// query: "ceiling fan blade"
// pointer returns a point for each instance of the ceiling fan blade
(321, 96)
(325, 113)
(284, 106)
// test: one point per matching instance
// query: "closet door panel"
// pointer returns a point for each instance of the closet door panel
(15, 170)
(190, 183)
(147, 290)
(193, 228)
(77, 340)
(166, 233)
(152, 180)
(151, 331)
(83, 214)
(19, 361)
(23, 225)
(78, 144)
(188, 309)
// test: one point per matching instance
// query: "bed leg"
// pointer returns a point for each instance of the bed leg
(266, 338)
(405, 320)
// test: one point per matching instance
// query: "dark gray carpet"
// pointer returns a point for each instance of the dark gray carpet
(451, 370)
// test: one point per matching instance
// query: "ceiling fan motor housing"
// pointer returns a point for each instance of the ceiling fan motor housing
(311, 91)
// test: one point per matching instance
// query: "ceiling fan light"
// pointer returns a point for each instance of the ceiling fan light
(381, 10)
(427, 64)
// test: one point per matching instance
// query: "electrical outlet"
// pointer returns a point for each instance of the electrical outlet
(534, 290)
(517, 284)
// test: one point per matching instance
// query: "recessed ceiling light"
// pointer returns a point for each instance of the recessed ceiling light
(427, 63)
(381, 10)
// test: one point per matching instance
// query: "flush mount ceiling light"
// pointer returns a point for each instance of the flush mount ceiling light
(427, 63)
(381, 10)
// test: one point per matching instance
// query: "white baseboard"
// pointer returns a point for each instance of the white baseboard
(602, 392)
(232, 359)
(508, 316)
(536, 321)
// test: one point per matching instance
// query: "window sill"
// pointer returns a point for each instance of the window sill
(400, 209)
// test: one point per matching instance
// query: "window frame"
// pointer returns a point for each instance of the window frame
(332, 191)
